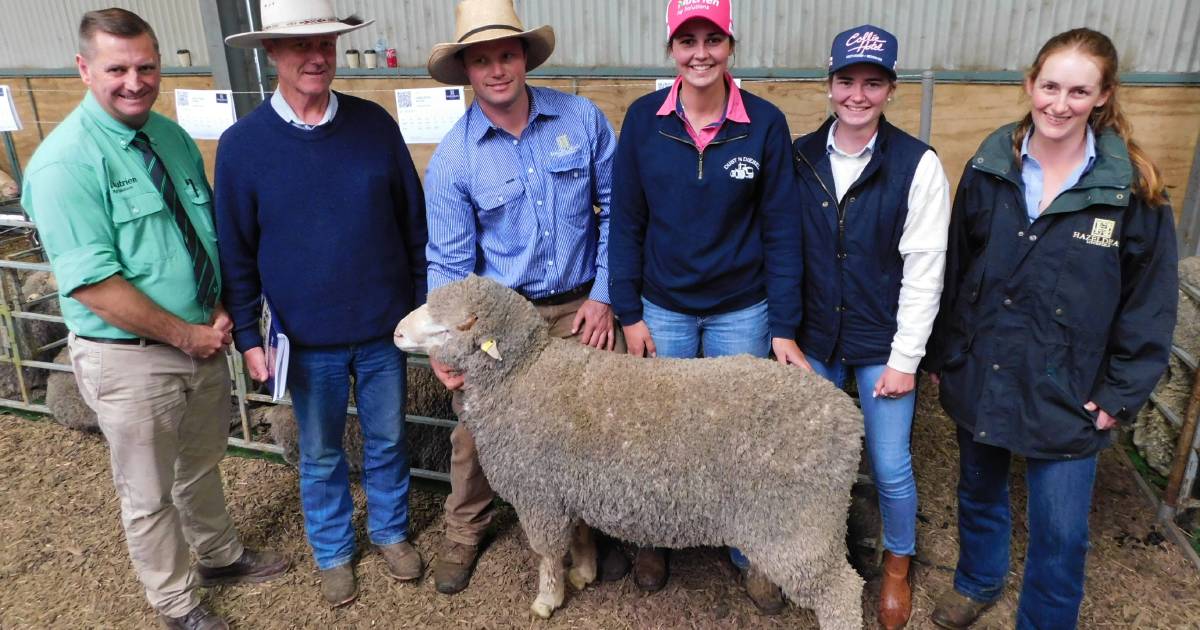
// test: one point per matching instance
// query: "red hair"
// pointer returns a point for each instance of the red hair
(1147, 181)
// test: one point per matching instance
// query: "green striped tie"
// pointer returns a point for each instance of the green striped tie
(202, 266)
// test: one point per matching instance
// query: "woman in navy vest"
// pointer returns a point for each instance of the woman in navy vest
(704, 242)
(1055, 324)
(876, 208)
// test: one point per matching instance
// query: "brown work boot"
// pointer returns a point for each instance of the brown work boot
(338, 585)
(762, 591)
(956, 611)
(895, 595)
(650, 569)
(402, 560)
(198, 618)
(453, 567)
(251, 567)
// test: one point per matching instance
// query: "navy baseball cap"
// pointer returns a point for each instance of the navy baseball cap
(864, 44)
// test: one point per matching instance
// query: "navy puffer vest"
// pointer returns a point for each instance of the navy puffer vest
(852, 263)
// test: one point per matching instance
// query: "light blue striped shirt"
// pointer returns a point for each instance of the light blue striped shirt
(1034, 178)
(522, 210)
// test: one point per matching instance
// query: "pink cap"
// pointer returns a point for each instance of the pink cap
(719, 12)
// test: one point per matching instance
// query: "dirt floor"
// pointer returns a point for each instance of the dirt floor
(63, 562)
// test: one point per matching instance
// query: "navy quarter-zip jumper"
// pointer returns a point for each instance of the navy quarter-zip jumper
(1038, 319)
(706, 232)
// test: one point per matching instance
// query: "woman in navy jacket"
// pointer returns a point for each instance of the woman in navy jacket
(876, 207)
(1055, 324)
(704, 242)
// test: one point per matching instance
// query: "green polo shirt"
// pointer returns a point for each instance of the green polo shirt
(99, 215)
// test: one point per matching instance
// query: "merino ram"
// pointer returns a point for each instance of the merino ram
(675, 453)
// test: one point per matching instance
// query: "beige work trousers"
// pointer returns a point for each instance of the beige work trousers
(165, 416)
(469, 505)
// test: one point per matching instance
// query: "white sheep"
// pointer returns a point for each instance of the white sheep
(8, 187)
(733, 451)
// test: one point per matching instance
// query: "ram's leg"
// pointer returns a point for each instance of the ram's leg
(551, 587)
(549, 538)
(834, 593)
(838, 603)
(583, 557)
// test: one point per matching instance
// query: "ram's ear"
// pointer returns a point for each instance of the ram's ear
(468, 323)
(491, 349)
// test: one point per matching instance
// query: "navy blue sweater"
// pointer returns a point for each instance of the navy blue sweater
(329, 224)
(705, 232)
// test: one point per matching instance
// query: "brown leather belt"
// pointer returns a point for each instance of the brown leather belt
(558, 299)
(134, 341)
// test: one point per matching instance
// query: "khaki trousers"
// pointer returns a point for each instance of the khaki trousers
(469, 505)
(165, 416)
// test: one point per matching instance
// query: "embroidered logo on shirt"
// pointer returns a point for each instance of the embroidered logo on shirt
(122, 185)
(742, 168)
(564, 146)
(1101, 234)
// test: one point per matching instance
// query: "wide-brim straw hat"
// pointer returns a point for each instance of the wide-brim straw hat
(296, 18)
(477, 21)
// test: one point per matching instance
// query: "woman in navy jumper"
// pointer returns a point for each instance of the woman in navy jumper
(1055, 324)
(704, 243)
(876, 208)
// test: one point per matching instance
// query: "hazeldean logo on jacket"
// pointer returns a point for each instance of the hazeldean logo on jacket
(1101, 234)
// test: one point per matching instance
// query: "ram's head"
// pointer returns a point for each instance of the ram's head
(474, 323)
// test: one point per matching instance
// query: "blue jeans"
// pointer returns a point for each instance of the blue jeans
(319, 380)
(683, 336)
(1060, 497)
(889, 431)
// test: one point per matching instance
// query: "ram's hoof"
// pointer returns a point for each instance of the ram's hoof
(578, 579)
(542, 609)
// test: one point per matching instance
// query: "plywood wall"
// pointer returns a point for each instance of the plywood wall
(1166, 119)
(43, 102)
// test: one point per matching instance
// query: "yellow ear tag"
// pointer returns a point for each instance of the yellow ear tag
(489, 348)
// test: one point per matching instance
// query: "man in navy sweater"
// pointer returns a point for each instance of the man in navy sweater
(319, 209)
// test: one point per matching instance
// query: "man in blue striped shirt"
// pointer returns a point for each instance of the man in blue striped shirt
(511, 194)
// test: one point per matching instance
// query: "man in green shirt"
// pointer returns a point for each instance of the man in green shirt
(123, 208)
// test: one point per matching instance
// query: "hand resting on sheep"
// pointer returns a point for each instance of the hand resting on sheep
(733, 451)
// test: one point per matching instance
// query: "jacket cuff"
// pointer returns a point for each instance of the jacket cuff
(784, 331)
(1114, 406)
(630, 316)
(246, 339)
(903, 363)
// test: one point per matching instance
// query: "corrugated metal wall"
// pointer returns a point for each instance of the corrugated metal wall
(43, 33)
(970, 35)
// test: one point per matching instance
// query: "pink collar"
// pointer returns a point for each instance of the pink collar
(735, 110)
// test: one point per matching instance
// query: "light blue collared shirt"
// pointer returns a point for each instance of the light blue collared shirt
(831, 147)
(521, 210)
(1034, 179)
(847, 167)
(286, 112)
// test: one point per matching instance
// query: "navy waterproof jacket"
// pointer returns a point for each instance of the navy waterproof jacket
(706, 232)
(1038, 319)
(852, 262)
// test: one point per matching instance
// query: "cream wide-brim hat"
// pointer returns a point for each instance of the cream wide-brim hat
(295, 18)
(478, 21)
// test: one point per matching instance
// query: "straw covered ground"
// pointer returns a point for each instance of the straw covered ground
(63, 562)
